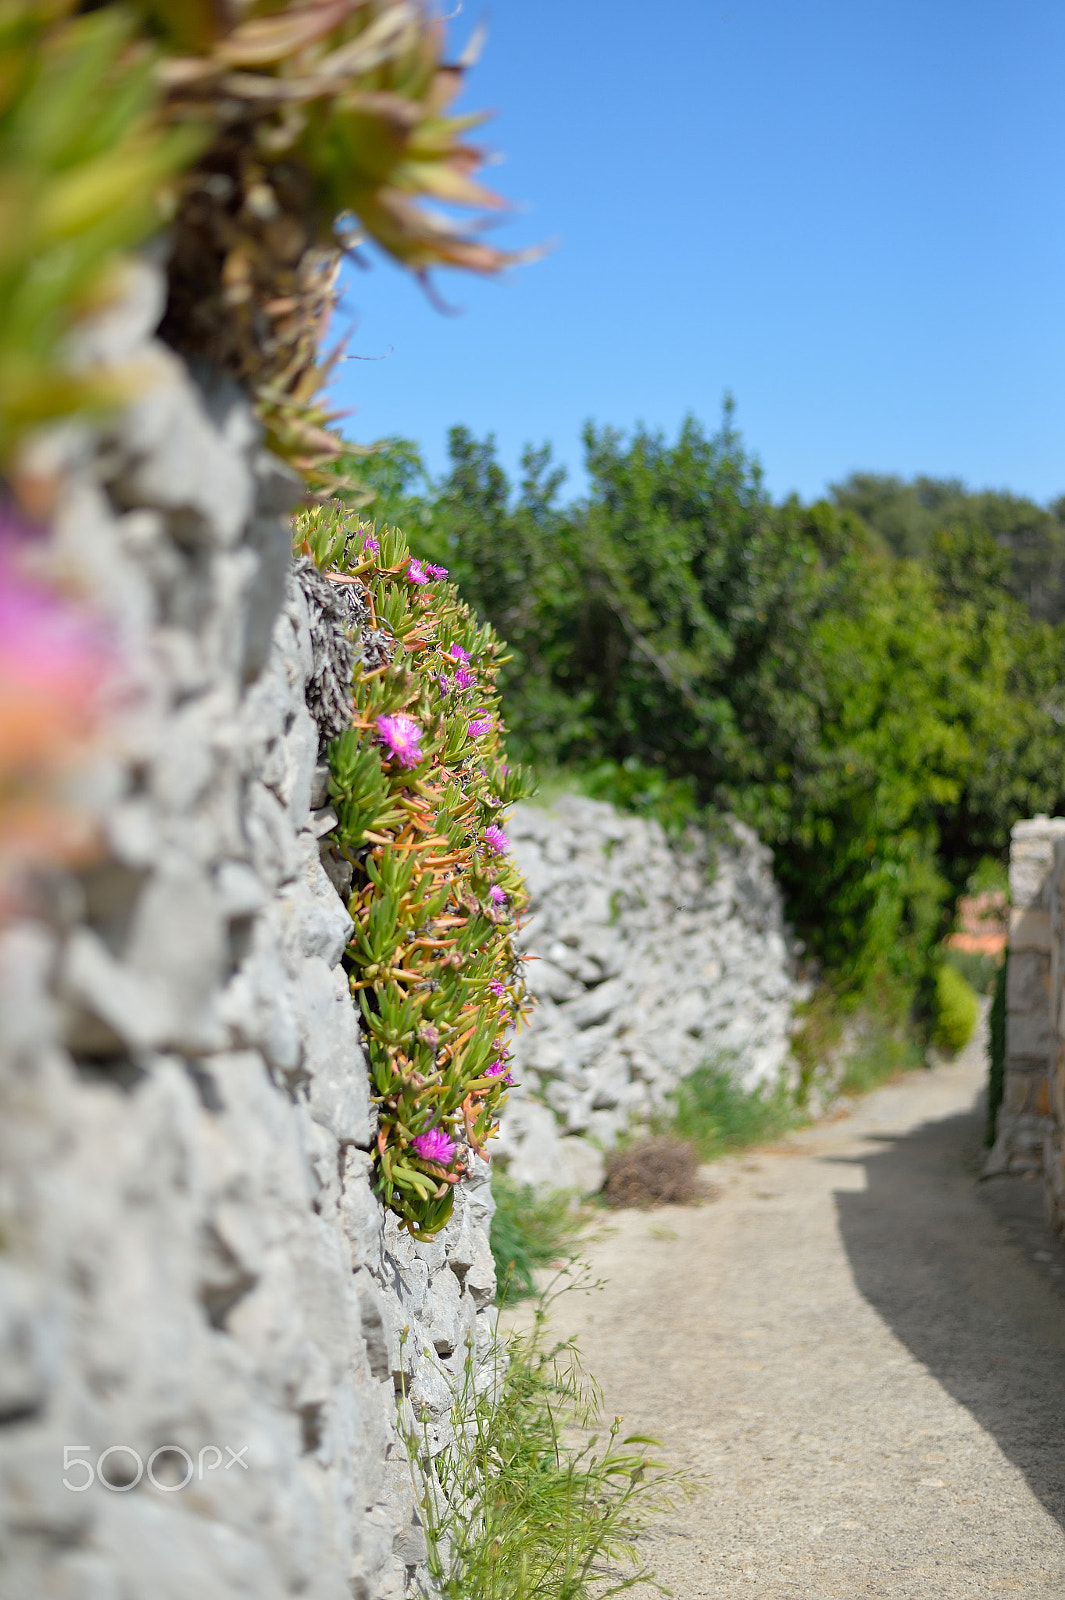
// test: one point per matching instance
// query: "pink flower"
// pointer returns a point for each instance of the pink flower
(445, 683)
(496, 840)
(496, 895)
(370, 546)
(464, 678)
(402, 737)
(435, 1146)
(480, 725)
(496, 1069)
(457, 653)
(495, 987)
(416, 573)
(435, 571)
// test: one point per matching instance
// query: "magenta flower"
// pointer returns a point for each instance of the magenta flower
(496, 1069)
(480, 725)
(496, 840)
(459, 654)
(370, 546)
(496, 895)
(402, 737)
(435, 571)
(435, 1146)
(445, 683)
(495, 987)
(416, 573)
(464, 678)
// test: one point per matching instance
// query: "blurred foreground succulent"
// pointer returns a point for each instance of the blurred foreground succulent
(86, 171)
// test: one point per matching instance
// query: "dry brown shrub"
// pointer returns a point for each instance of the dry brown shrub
(654, 1172)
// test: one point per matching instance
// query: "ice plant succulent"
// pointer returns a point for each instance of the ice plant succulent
(432, 961)
(496, 840)
(435, 1146)
(401, 737)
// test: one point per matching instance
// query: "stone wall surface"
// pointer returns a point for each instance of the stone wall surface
(190, 1252)
(651, 958)
(1024, 1117)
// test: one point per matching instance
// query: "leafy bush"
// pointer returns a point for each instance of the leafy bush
(420, 788)
(957, 1010)
(880, 721)
(715, 1115)
(534, 1499)
(531, 1229)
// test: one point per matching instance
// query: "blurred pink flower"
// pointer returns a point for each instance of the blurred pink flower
(496, 895)
(479, 725)
(435, 571)
(416, 573)
(496, 839)
(464, 678)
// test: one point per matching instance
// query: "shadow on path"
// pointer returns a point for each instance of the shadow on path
(972, 1281)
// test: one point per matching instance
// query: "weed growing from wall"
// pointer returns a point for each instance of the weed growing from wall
(534, 1499)
(421, 787)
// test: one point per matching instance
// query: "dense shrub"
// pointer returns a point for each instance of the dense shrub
(882, 721)
(957, 1010)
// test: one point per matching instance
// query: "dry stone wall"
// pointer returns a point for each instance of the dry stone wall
(196, 1282)
(651, 958)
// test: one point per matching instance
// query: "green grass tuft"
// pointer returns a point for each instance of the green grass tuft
(880, 1052)
(531, 1229)
(534, 1499)
(715, 1115)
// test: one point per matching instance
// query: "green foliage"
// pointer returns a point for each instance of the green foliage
(531, 1229)
(979, 970)
(881, 1047)
(881, 721)
(646, 791)
(957, 1010)
(997, 1070)
(1029, 539)
(715, 1115)
(436, 901)
(535, 1499)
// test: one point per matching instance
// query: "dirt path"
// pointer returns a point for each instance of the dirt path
(863, 1351)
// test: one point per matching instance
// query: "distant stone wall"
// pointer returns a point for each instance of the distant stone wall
(190, 1252)
(1031, 1117)
(650, 958)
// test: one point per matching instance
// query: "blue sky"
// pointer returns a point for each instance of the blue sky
(851, 214)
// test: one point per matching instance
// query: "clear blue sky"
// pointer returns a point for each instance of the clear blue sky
(850, 213)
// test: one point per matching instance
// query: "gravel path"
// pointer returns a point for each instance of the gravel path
(862, 1352)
